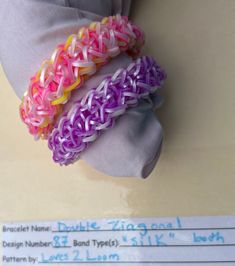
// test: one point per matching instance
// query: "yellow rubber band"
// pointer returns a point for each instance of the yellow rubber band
(67, 90)
(80, 33)
(68, 41)
(104, 20)
(45, 123)
(93, 25)
(62, 99)
(74, 85)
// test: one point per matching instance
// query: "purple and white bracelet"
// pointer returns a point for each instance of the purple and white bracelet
(101, 106)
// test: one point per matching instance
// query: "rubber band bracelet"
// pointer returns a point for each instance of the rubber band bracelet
(100, 107)
(70, 65)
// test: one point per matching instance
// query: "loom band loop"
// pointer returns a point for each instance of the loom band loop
(123, 77)
(67, 91)
(54, 139)
(47, 111)
(49, 79)
(104, 20)
(87, 123)
(113, 52)
(103, 115)
(90, 138)
(123, 46)
(143, 85)
(37, 76)
(42, 113)
(97, 52)
(132, 102)
(62, 100)
(83, 119)
(72, 45)
(37, 121)
(83, 63)
(44, 69)
(60, 89)
(78, 49)
(75, 137)
(69, 71)
(31, 93)
(66, 132)
(137, 31)
(105, 90)
(56, 55)
(22, 113)
(129, 94)
(78, 123)
(98, 28)
(85, 98)
(100, 43)
(69, 41)
(93, 25)
(131, 98)
(114, 112)
(44, 124)
(69, 148)
(62, 123)
(92, 51)
(62, 150)
(117, 75)
(34, 96)
(129, 82)
(122, 37)
(87, 71)
(112, 39)
(128, 30)
(100, 61)
(137, 70)
(95, 107)
(76, 72)
(102, 126)
(51, 96)
(64, 66)
(89, 100)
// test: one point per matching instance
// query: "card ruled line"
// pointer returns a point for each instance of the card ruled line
(168, 246)
(146, 229)
(136, 262)
(164, 246)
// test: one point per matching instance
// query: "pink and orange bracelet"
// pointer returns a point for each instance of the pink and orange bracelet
(70, 65)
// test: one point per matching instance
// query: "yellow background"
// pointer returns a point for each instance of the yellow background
(194, 40)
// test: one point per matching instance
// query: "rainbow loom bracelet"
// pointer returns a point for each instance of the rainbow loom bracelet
(99, 108)
(71, 63)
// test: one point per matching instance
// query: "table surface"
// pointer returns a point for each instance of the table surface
(195, 42)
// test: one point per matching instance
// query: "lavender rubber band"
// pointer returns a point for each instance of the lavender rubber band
(101, 106)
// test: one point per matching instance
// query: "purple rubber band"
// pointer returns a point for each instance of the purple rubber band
(100, 107)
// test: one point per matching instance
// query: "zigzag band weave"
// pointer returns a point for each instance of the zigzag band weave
(100, 107)
(70, 65)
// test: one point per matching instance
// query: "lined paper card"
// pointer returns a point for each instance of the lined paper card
(143, 241)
